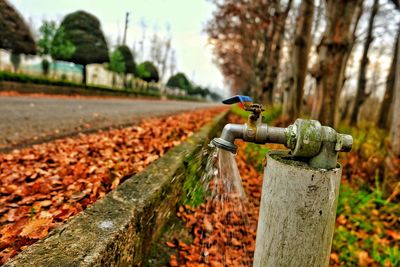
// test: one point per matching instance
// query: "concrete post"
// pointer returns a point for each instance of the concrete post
(297, 214)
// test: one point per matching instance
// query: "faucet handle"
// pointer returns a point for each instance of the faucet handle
(243, 100)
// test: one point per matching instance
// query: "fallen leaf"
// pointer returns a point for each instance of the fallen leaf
(36, 229)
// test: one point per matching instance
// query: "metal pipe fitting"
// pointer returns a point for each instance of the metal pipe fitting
(307, 139)
(259, 134)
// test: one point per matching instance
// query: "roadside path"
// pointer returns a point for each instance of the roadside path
(29, 119)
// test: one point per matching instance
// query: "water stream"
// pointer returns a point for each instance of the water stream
(227, 237)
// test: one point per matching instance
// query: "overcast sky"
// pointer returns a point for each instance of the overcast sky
(186, 18)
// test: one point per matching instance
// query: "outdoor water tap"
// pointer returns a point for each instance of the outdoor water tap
(307, 139)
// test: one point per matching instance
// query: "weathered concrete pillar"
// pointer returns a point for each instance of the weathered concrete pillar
(297, 214)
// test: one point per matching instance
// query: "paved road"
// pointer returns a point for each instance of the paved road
(26, 120)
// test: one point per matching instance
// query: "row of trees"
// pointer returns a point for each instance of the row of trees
(313, 43)
(180, 81)
(79, 39)
(285, 48)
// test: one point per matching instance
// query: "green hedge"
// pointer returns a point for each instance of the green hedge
(23, 78)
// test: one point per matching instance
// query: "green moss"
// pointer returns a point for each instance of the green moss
(193, 193)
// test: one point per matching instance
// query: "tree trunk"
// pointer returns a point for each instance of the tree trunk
(361, 94)
(392, 174)
(395, 126)
(316, 104)
(383, 117)
(125, 80)
(275, 53)
(333, 52)
(301, 48)
(84, 74)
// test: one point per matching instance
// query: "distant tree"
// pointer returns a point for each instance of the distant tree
(180, 80)
(83, 30)
(387, 102)
(300, 50)
(333, 53)
(117, 64)
(14, 33)
(156, 45)
(46, 35)
(130, 65)
(160, 48)
(214, 96)
(129, 62)
(15, 60)
(247, 40)
(395, 125)
(396, 3)
(47, 32)
(49, 45)
(391, 181)
(147, 72)
(61, 47)
(361, 94)
(172, 62)
(200, 91)
(166, 54)
(45, 67)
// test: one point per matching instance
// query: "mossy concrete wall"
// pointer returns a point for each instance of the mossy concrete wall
(118, 230)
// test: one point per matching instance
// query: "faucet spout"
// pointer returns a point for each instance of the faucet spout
(259, 134)
(230, 133)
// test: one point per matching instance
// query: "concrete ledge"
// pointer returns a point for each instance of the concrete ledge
(119, 229)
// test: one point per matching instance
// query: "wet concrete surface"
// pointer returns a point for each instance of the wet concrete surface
(27, 120)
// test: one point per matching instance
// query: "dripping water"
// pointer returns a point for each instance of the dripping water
(226, 236)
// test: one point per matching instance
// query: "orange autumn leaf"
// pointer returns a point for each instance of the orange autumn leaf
(395, 235)
(170, 244)
(58, 179)
(36, 229)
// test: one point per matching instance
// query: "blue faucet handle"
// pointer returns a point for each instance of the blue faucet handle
(244, 100)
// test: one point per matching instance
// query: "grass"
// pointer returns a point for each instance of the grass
(364, 224)
(270, 114)
(367, 139)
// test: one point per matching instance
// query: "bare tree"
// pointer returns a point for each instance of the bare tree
(156, 49)
(247, 39)
(333, 52)
(395, 125)
(301, 48)
(278, 29)
(384, 111)
(166, 52)
(172, 62)
(361, 94)
(143, 25)
(160, 48)
(391, 181)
